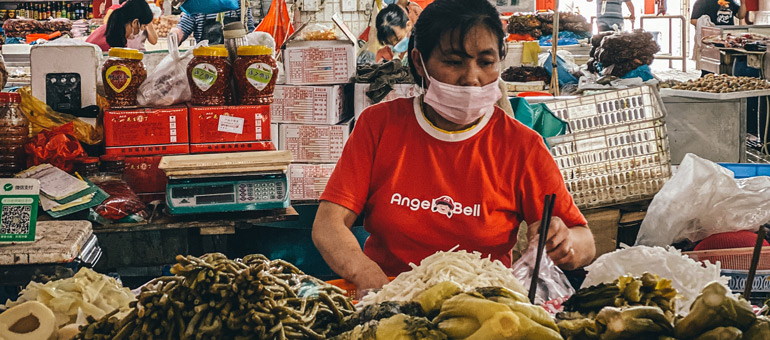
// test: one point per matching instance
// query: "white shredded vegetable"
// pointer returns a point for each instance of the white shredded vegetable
(88, 293)
(687, 276)
(468, 270)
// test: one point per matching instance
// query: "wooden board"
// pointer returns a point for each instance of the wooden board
(55, 242)
(226, 222)
(225, 162)
(604, 225)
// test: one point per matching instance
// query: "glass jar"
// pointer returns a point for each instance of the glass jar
(86, 166)
(255, 74)
(209, 76)
(112, 163)
(14, 133)
(122, 73)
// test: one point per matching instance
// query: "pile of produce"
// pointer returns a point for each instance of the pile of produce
(620, 53)
(716, 314)
(525, 74)
(686, 275)
(541, 24)
(213, 297)
(164, 24)
(444, 311)
(20, 28)
(647, 290)
(720, 84)
(88, 292)
(468, 270)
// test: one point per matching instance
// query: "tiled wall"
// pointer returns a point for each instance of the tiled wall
(356, 21)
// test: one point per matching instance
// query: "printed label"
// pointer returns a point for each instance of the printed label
(118, 78)
(259, 75)
(204, 76)
(230, 124)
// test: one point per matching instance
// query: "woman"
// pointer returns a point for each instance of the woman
(447, 168)
(393, 27)
(125, 23)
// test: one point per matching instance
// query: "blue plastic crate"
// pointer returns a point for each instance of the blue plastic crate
(744, 170)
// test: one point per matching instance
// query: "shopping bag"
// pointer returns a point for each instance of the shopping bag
(210, 6)
(277, 22)
(43, 117)
(703, 199)
(552, 284)
(168, 85)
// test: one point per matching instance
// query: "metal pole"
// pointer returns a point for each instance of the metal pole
(555, 43)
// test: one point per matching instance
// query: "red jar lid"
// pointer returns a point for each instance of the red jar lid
(112, 158)
(86, 160)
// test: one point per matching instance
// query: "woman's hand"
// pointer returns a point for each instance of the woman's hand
(369, 277)
(569, 248)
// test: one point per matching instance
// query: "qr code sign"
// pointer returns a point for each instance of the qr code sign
(15, 219)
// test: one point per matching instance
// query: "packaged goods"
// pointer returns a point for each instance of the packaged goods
(220, 124)
(122, 202)
(137, 127)
(232, 147)
(86, 166)
(314, 143)
(209, 76)
(468, 270)
(14, 133)
(309, 104)
(143, 176)
(112, 163)
(255, 74)
(123, 73)
(308, 181)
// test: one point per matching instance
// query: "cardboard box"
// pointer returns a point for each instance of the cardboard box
(361, 101)
(274, 134)
(19, 199)
(314, 143)
(308, 181)
(309, 104)
(143, 176)
(232, 147)
(228, 124)
(149, 150)
(167, 126)
(320, 62)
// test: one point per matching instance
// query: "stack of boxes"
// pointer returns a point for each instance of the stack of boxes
(144, 136)
(312, 112)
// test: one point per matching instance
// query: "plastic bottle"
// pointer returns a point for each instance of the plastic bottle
(14, 132)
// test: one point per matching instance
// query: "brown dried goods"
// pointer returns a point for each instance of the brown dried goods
(255, 73)
(720, 84)
(123, 73)
(209, 76)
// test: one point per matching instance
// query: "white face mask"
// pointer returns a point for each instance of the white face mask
(461, 104)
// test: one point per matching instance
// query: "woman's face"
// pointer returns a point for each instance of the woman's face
(133, 28)
(400, 33)
(447, 64)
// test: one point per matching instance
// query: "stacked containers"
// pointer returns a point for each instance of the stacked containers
(14, 132)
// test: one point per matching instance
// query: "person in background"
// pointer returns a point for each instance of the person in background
(124, 24)
(393, 28)
(609, 13)
(413, 10)
(721, 12)
(209, 26)
(148, 34)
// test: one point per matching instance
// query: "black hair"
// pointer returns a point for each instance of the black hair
(389, 17)
(453, 17)
(128, 12)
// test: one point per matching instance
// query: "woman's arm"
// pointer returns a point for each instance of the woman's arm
(340, 249)
(152, 36)
(569, 248)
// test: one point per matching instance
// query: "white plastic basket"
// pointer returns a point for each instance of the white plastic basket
(618, 149)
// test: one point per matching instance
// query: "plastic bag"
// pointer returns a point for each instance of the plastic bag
(43, 117)
(643, 72)
(315, 32)
(123, 202)
(261, 39)
(564, 68)
(168, 85)
(538, 117)
(210, 6)
(277, 22)
(703, 199)
(57, 147)
(552, 284)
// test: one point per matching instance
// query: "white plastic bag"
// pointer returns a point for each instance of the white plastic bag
(168, 85)
(552, 284)
(703, 199)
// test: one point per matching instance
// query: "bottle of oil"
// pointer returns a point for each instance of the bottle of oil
(14, 132)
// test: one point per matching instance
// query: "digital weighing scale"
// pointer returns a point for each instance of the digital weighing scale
(234, 193)
(232, 182)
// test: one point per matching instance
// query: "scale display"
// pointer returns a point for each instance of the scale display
(203, 195)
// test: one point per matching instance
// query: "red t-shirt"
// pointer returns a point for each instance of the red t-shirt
(423, 190)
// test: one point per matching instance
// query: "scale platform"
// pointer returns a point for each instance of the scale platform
(243, 181)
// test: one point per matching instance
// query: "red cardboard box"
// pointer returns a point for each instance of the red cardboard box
(149, 150)
(136, 127)
(143, 176)
(232, 147)
(228, 124)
